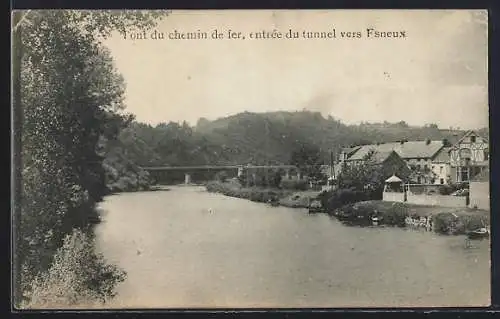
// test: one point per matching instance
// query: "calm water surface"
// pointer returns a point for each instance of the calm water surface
(245, 254)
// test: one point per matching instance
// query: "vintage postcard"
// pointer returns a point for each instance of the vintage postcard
(251, 159)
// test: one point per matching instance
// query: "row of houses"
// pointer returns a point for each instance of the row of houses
(424, 162)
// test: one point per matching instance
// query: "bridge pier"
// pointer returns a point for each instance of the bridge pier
(187, 178)
(287, 173)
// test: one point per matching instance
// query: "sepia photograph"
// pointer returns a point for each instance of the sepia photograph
(180, 159)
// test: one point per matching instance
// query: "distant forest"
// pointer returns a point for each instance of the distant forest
(259, 138)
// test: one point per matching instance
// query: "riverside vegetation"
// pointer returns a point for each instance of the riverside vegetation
(63, 132)
(283, 197)
(266, 186)
(353, 202)
(355, 208)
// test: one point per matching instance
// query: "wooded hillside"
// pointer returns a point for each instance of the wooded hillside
(261, 138)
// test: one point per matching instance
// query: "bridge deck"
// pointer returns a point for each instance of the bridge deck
(203, 167)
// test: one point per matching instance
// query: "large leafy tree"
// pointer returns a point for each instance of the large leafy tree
(67, 95)
(364, 176)
(308, 159)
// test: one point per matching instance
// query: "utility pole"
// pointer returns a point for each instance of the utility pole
(267, 153)
(332, 170)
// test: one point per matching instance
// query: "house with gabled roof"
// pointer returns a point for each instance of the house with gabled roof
(411, 151)
(418, 155)
(389, 161)
(469, 156)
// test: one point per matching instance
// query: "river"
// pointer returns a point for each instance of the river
(190, 248)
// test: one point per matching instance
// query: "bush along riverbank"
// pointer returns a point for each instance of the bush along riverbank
(124, 176)
(275, 196)
(78, 277)
(255, 194)
(442, 220)
(291, 194)
(121, 173)
(361, 208)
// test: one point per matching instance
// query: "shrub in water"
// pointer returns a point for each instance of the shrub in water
(395, 215)
(469, 223)
(443, 222)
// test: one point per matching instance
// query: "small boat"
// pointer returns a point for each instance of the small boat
(376, 220)
(478, 233)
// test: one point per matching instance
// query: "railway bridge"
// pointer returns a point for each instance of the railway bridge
(189, 174)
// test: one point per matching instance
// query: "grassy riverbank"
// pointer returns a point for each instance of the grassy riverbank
(298, 199)
(445, 220)
(287, 198)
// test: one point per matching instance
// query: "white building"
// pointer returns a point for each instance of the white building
(440, 166)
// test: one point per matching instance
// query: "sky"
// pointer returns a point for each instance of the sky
(436, 74)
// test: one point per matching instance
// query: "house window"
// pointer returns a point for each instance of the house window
(441, 170)
(486, 154)
(425, 167)
(441, 181)
(473, 139)
(465, 153)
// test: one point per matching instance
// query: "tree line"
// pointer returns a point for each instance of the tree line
(262, 138)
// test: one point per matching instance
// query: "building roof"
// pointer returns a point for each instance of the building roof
(407, 150)
(379, 156)
(443, 155)
(393, 179)
(468, 133)
(484, 176)
(350, 150)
